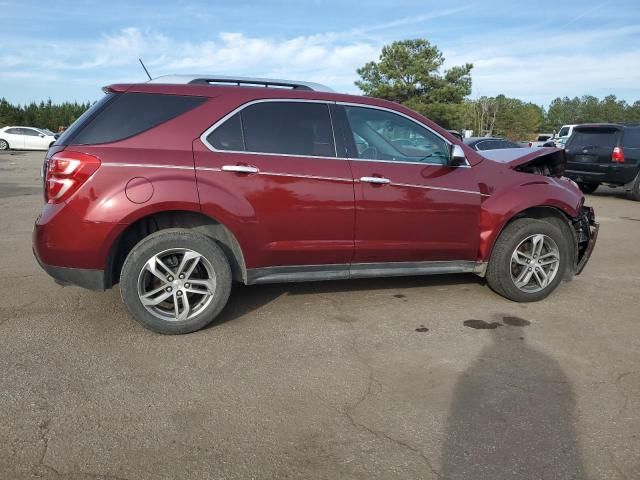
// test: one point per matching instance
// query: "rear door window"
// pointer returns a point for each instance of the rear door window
(288, 128)
(228, 136)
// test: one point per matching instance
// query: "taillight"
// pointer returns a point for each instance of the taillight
(66, 172)
(530, 144)
(617, 155)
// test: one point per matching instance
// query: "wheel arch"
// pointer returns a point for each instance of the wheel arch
(154, 222)
(556, 215)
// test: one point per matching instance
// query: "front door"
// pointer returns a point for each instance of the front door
(270, 173)
(410, 205)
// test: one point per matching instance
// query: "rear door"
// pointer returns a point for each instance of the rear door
(15, 138)
(273, 164)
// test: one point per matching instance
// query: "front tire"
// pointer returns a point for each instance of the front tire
(528, 260)
(4, 145)
(175, 281)
(588, 187)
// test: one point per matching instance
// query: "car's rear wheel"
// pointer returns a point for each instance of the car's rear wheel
(634, 193)
(528, 260)
(175, 281)
(588, 187)
(4, 145)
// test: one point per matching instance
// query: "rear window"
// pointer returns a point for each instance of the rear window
(564, 131)
(631, 138)
(594, 138)
(120, 116)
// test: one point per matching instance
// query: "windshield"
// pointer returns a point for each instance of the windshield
(564, 131)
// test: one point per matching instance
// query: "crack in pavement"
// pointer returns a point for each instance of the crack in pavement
(43, 429)
(349, 411)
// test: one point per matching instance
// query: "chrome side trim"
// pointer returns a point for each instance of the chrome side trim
(203, 137)
(428, 164)
(444, 189)
(311, 273)
(277, 174)
(313, 177)
(145, 165)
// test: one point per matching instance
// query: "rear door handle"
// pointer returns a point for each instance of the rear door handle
(376, 180)
(239, 169)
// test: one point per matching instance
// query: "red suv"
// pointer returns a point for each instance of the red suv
(177, 187)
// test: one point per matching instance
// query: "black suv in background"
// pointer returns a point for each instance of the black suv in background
(605, 153)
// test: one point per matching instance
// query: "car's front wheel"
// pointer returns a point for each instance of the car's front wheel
(175, 281)
(529, 260)
(4, 145)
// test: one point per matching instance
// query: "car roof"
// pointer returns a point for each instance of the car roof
(201, 87)
(609, 126)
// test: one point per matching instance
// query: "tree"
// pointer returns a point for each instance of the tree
(409, 72)
(42, 115)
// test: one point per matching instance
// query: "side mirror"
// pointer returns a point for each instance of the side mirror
(457, 156)
(41, 135)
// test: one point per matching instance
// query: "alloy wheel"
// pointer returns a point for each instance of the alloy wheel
(4, 145)
(176, 284)
(535, 263)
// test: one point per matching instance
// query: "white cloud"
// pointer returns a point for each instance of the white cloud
(527, 62)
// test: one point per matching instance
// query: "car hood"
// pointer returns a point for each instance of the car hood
(519, 156)
(522, 158)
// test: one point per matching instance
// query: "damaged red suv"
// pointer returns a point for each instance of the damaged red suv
(178, 187)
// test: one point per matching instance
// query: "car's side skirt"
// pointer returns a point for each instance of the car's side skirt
(311, 273)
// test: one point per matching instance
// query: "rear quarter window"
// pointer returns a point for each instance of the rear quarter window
(631, 138)
(129, 114)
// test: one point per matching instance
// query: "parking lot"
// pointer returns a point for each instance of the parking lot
(433, 377)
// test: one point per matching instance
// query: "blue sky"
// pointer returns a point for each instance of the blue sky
(67, 50)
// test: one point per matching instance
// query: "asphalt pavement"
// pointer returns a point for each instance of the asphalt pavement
(408, 378)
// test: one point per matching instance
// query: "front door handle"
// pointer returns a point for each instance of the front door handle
(239, 169)
(376, 180)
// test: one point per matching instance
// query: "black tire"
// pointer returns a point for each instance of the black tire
(500, 270)
(170, 240)
(588, 187)
(4, 145)
(634, 193)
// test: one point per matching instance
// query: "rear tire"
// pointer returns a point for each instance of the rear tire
(588, 187)
(521, 266)
(175, 281)
(634, 193)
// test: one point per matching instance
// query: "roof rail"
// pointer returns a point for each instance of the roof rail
(240, 82)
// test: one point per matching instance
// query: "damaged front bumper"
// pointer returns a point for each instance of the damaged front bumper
(586, 229)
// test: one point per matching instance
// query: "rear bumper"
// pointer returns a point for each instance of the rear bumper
(80, 277)
(601, 173)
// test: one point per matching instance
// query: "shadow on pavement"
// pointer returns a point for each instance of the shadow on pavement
(512, 416)
(245, 299)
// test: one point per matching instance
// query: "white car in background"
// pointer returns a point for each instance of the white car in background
(25, 138)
